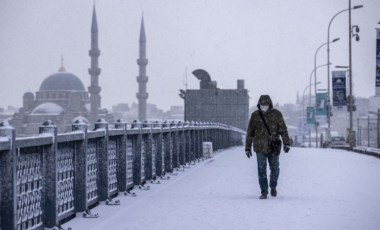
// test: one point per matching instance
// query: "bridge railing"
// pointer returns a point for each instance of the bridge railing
(48, 178)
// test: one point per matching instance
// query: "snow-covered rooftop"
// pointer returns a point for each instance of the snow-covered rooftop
(47, 108)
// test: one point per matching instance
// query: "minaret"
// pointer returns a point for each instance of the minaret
(142, 79)
(94, 71)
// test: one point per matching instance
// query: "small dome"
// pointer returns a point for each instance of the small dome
(47, 108)
(62, 81)
(28, 94)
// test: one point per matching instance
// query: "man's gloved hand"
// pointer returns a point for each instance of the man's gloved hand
(286, 148)
(248, 153)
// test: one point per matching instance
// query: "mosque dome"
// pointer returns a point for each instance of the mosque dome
(47, 108)
(62, 81)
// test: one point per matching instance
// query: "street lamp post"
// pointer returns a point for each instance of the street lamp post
(315, 85)
(311, 75)
(328, 134)
(303, 105)
(350, 100)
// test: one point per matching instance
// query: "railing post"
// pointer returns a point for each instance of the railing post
(168, 147)
(186, 131)
(122, 155)
(191, 141)
(200, 124)
(181, 140)
(8, 163)
(160, 155)
(138, 164)
(212, 136)
(51, 175)
(81, 167)
(103, 160)
(174, 141)
(147, 138)
(225, 140)
(156, 148)
(199, 130)
(218, 131)
(196, 141)
(208, 134)
(216, 136)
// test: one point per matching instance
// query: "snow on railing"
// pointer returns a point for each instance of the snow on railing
(367, 150)
(86, 167)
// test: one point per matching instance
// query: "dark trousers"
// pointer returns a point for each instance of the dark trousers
(274, 165)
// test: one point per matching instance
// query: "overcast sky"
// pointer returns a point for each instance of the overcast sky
(270, 44)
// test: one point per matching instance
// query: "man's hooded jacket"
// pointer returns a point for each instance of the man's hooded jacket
(257, 132)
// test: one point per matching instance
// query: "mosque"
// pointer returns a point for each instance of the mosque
(62, 97)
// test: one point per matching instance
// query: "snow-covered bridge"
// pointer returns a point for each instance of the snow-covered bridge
(318, 189)
(47, 179)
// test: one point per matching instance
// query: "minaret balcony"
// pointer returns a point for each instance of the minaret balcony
(142, 79)
(94, 89)
(94, 52)
(142, 61)
(142, 96)
(94, 71)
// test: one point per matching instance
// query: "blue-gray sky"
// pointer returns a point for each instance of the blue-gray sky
(270, 44)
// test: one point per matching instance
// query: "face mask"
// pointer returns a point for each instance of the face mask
(264, 108)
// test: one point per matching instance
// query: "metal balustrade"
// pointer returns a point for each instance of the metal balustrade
(49, 178)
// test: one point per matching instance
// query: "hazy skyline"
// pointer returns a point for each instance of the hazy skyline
(269, 44)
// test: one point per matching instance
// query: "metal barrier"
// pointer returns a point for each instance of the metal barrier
(47, 179)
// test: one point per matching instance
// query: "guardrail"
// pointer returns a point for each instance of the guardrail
(47, 179)
(367, 151)
(361, 149)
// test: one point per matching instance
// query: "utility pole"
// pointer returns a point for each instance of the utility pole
(350, 72)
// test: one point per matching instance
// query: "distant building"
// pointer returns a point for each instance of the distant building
(374, 103)
(175, 113)
(62, 97)
(6, 114)
(129, 114)
(209, 103)
(120, 111)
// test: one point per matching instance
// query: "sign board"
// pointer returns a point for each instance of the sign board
(310, 115)
(321, 109)
(339, 88)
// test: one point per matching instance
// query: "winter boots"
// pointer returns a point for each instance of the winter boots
(273, 191)
(264, 195)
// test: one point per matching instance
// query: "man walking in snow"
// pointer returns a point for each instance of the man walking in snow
(266, 117)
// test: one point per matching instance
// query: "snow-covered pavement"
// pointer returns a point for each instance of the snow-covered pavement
(318, 189)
